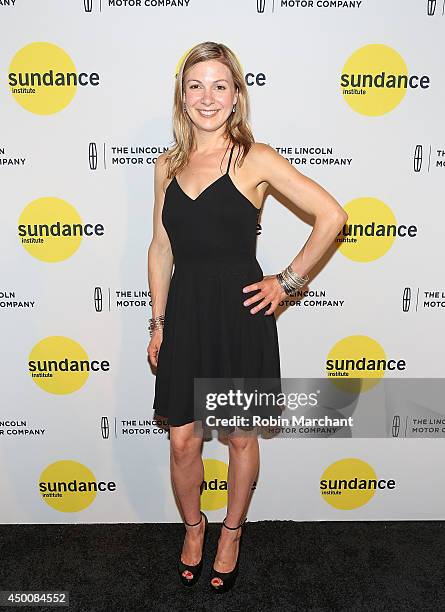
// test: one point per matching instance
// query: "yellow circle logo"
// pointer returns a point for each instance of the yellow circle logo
(350, 483)
(357, 357)
(59, 365)
(51, 230)
(214, 494)
(375, 79)
(42, 78)
(67, 486)
(370, 230)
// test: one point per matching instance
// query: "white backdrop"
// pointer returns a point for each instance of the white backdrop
(70, 154)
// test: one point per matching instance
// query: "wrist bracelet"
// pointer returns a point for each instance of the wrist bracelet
(155, 323)
(290, 281)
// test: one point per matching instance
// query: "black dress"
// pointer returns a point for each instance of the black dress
(208, 332)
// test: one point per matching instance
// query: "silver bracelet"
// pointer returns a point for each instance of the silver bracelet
(155, 323)
(290, 281)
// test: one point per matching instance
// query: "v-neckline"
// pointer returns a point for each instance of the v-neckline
(203, 191)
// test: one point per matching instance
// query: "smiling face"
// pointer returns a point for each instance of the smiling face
(209, 94)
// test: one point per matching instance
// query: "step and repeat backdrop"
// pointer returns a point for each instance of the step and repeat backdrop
(351, 93)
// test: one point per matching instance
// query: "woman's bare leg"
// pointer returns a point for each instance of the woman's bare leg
(187, 472)
(243, 470)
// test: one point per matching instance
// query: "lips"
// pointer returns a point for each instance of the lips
(207, 113)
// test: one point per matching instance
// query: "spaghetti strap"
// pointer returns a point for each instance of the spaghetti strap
(230, 158)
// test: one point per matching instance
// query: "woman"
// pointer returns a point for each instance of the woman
(203, 324)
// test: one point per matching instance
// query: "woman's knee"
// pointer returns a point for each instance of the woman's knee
(184, 445)
(242, 443)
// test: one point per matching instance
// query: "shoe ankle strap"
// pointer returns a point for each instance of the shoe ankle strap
(240, 525)
(194, 524)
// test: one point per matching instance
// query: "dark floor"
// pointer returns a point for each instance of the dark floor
(284, 566)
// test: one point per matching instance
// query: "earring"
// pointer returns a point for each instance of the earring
(233, 109)
(184, 108)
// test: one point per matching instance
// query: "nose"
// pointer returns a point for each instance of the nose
(207, 96)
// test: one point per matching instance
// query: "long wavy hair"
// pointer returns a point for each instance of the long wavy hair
(238, 128)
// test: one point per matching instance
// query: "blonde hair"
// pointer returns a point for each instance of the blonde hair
(238, 129)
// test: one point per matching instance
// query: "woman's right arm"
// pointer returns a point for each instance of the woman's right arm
(160, 259)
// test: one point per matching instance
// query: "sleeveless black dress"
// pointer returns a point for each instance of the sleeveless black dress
(208, 332)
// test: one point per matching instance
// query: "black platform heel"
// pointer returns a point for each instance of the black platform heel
(195, 570)
(228, 578)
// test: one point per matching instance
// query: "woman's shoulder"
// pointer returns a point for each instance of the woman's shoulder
(161, 159)
(260, 153)
(161, 170)
(260, 157)
(260, 146)
(261, 149)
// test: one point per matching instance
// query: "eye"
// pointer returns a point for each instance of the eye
(221, 86)
(194, 85)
